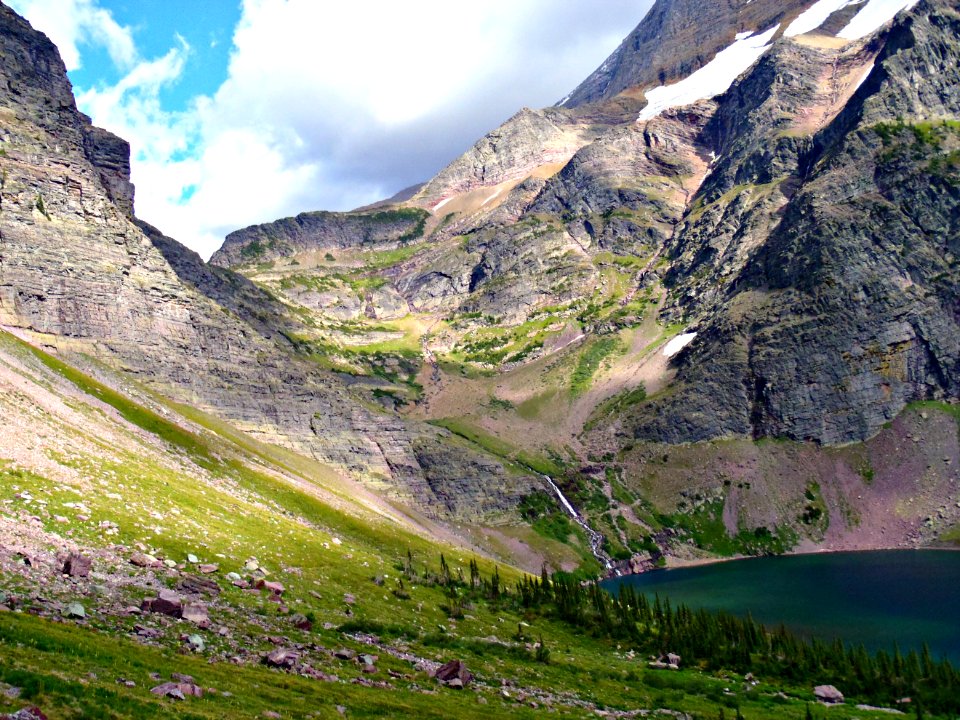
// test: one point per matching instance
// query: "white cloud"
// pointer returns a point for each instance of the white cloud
(73, 23)
(334, 105)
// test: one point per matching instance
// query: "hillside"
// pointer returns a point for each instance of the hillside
(363, 463)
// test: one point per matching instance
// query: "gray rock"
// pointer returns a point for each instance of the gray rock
(74, 610)
(828, 694)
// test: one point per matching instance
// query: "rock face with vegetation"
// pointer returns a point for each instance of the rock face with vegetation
(79, 274)
(821, 269)
(321, 231)
(777, 261)
(730, 328)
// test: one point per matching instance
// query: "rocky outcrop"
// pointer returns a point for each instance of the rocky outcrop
(841, 301)
(529, 140)
(110, 155)
(321, 231)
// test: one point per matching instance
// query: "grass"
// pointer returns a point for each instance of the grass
(589, 361)
(705, 525)
(254, 499)
(501, 448)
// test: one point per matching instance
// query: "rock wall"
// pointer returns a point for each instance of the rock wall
(828, 297)
(82, 277)
(321, 231)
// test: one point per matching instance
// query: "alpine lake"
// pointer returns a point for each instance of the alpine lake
(880, 599)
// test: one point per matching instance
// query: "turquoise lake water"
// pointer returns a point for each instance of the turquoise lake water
(907, 597)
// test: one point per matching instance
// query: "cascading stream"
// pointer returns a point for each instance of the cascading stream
(596, 539)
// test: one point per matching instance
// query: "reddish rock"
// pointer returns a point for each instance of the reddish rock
(77, 565)
(30, 713)
(301, 622)
(143, 560)
(282, 658)
(167, 602)
(454, 670)
(275, 587)
(195, 613)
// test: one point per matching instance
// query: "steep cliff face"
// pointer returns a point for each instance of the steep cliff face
(321, 231)
(842, 306)
(78, 274)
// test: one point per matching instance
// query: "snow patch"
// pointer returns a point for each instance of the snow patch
(745, 35)
(441, 204)
(712, 79)
(863, 78)
(876, 14)
(678, 344)
(815, 16)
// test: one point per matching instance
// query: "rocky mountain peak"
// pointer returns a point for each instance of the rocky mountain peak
(34, 83)
(676, 38)
(679, 37)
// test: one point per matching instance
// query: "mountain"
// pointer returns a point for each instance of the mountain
(706, 306)
(79, 274)
(735, 256)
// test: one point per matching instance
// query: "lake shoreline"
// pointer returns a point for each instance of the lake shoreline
(874, 597)
(674, 563)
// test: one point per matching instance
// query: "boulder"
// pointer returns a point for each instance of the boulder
(167, 602)
(77, 565)
(274, 587)
(281, 658)
(301, 622)
(828, 694)
(195, 613)
(195, 585)
(74, 610)
(144, 560)
(454, 670)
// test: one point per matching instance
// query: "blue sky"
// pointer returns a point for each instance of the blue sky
(244, 111)
(207, 26)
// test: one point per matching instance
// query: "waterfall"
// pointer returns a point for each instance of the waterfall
(563, 498)
(596, 539)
